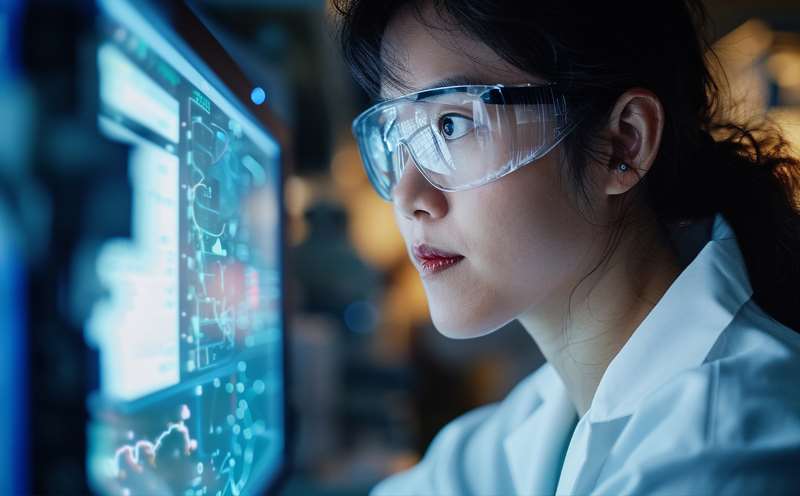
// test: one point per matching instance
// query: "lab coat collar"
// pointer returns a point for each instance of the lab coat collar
(680, 330)
(536, 447)
(676, 335)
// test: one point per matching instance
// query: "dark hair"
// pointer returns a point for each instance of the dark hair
(595, 51)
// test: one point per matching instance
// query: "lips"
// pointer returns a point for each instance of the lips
(433, 260)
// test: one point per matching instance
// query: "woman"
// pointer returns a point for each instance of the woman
(563, 163)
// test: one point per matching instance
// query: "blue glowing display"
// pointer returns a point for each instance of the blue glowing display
(190, 336)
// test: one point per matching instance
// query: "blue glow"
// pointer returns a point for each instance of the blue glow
(189, 332)
(13, 368)
(361, 316)
(258, 95)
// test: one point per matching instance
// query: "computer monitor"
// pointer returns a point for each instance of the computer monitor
(191, 395)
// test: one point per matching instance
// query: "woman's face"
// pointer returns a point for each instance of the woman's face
(524, 243)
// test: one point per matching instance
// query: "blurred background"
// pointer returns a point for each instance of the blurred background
(372, 381)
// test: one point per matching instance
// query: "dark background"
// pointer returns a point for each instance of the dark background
(373, 381)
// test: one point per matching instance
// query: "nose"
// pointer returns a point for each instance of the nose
(413, 196)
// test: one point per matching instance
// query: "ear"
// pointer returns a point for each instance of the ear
(634, 129)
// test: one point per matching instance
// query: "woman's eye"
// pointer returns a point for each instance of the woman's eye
(454, 126)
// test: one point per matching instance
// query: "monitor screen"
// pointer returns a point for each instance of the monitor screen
(190, 334)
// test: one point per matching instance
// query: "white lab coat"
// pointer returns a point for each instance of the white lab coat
(702, 399)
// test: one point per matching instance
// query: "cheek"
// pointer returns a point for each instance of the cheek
(525, 243)
(526, 238)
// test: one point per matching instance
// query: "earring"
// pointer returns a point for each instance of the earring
(623, 167)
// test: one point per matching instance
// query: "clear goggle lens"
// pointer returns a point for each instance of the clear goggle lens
(460, 137)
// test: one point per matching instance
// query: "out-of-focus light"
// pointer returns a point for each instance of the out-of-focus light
(785, 68)
(406, 303)
(361, 316)
(404, 307)
(743, 45)
(298, 231)
(298, 196)
(739, 55)
(346, 169)
(258, 95)
(372, 229)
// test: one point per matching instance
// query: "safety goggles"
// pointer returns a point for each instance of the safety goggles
(460, 137)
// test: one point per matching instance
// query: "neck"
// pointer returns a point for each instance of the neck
(580, 332)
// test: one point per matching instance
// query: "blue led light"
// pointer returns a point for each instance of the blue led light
(258, 95)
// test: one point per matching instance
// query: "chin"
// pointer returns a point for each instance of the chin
(463, 325)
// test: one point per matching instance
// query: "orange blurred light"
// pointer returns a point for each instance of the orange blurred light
(346, 169)
(373, 231)
(298, 195)
(785, 68)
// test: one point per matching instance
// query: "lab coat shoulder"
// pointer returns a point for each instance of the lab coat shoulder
(466, 456)
(728, 426)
